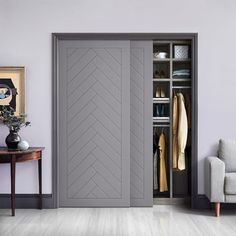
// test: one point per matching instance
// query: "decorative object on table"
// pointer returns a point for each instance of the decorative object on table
(14, 123)
(160, 55)
(12, 140)
(181, 51)
(23, 145)
(12, 88)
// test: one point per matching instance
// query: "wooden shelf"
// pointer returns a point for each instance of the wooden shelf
(161, 59)
(164, 119)
(181, 59)
(181, 79)
(162, 125)
(157, 42)
(181, 87)
(171, 59)
(161, 79)
(161, 100)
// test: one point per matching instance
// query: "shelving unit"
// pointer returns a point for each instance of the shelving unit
(163, 68)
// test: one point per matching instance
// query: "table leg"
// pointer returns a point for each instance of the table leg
(40, 182)
(13, 175)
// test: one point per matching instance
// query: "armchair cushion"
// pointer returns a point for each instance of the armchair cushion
(227, 153)
(230, 183)
(215, 177)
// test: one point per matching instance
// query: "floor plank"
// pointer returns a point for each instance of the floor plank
(159, 220)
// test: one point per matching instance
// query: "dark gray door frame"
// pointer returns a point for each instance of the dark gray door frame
(56, 37)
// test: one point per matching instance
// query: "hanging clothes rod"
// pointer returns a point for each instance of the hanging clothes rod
(181, 87)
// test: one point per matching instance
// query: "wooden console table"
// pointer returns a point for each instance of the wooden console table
(13, 156)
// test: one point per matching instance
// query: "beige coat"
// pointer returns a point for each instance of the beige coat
(182, 132)
(163, 179)
(174, 133)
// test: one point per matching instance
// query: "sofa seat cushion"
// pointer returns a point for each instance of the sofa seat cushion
(230, 183)
(227, 153)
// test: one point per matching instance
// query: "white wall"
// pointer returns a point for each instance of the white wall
(25, 39)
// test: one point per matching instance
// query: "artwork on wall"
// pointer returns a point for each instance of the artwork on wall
(12, 88)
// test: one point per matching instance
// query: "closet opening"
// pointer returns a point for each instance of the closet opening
(172, 120)
(132, 81)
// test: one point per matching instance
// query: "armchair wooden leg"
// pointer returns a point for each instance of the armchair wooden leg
(217, 209)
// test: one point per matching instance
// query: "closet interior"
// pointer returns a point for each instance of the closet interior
(172, 114)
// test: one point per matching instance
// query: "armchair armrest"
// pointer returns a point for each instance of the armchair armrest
(215, 176)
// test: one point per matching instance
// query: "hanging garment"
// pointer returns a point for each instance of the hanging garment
(182, 132)
(174, 133)
(187, 101)
(155, 158)
(155, 150)
(162, 174)
(155, 142)
(155, 182)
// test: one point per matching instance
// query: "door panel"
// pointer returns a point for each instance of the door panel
(94, 127)
(141, 123)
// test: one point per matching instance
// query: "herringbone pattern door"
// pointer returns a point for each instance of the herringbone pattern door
(141, 193)
(94, 127)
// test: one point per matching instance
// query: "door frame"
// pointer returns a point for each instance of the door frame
(56, 37)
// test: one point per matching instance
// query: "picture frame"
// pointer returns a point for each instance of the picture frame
(12, 88)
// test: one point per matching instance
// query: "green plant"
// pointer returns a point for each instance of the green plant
(14, 123)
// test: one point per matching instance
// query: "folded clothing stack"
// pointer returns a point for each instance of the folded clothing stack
(181, 73)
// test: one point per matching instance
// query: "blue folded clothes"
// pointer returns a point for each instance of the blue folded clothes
(181, 72)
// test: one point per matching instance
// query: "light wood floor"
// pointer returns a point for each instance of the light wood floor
(159, 220)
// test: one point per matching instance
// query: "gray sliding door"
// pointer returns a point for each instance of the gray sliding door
(94, 127)
(141, 182)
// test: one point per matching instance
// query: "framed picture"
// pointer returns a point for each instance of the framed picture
(12, 88)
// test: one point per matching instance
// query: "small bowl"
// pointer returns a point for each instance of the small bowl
(160, 55)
